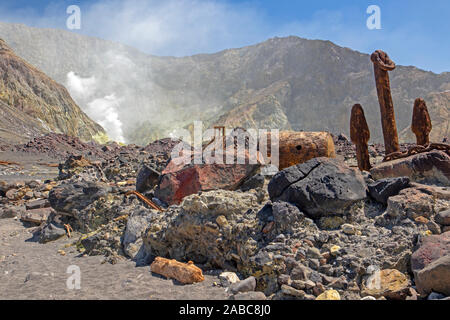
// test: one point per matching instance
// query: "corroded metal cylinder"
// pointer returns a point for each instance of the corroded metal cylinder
(382, 64)
(360, 135)
(421, 122)
(299, 147)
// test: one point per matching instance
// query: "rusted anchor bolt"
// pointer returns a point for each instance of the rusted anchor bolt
(421, 122)
(360, 135)
(382, 64)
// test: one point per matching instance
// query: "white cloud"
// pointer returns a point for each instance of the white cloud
(174, 27)
(186, 27)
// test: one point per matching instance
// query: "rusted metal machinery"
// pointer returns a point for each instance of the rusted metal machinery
(421, 122)
(382, 64)
(360, 135)
(299, 147)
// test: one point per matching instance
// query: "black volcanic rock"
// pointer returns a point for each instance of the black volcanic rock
(319, 187)
(382, 189)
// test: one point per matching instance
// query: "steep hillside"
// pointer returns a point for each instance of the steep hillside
(281, 83)
(33, 104)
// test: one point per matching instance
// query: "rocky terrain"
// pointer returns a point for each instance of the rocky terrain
(337, 222)
(32, 104)
(285, 83)
(318, 230)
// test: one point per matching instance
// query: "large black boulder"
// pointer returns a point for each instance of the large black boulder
(319, 187)
(73, 197)
(146, 179)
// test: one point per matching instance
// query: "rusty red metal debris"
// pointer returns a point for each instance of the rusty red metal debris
(145, 200)
(360, 135)
(382, 64)
(418, 149)
(8, 163)
(68, 230)
(421, 122)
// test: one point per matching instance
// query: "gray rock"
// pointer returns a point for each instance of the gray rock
(434, 227)
(432, 167)
(12, 194)
(443, 218)
(435, 296)
(138, 221)
(298, 284)
(348, 229)
(287, 217)
(369, 298)
(38, 204)
(431, 264)
(192, 230)
(300, 273)
(228, 278)
(289, 291)
(255, 182)
(256, 295)
(313, 253)
(81, 200)
(411, 202)
(36, 216)
(73, 197)
(314, 264)
(382, 189)
(246, 285)
(321, 186)
(51, 232)
(11, 211)
(435, 277)
(432, 248)
(146, 179)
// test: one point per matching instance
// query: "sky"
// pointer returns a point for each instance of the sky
(412, 32)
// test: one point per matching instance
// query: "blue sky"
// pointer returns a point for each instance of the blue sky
(413, 32)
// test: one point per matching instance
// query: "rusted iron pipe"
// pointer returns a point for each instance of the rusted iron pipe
(382, 64)
(360, 135)
(143, 198)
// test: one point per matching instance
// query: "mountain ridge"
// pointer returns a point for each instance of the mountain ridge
(33, 104)
(168, 93)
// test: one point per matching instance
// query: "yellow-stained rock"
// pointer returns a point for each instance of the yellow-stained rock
(186, 273)
(222, 221)
(334, 250)
(421, 220)
(330, 223)
(329, 295)
(389, 283)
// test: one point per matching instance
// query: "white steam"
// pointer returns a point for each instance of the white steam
(108, 117)
(103, 110)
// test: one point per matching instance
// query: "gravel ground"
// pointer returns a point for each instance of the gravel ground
(29, 270)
